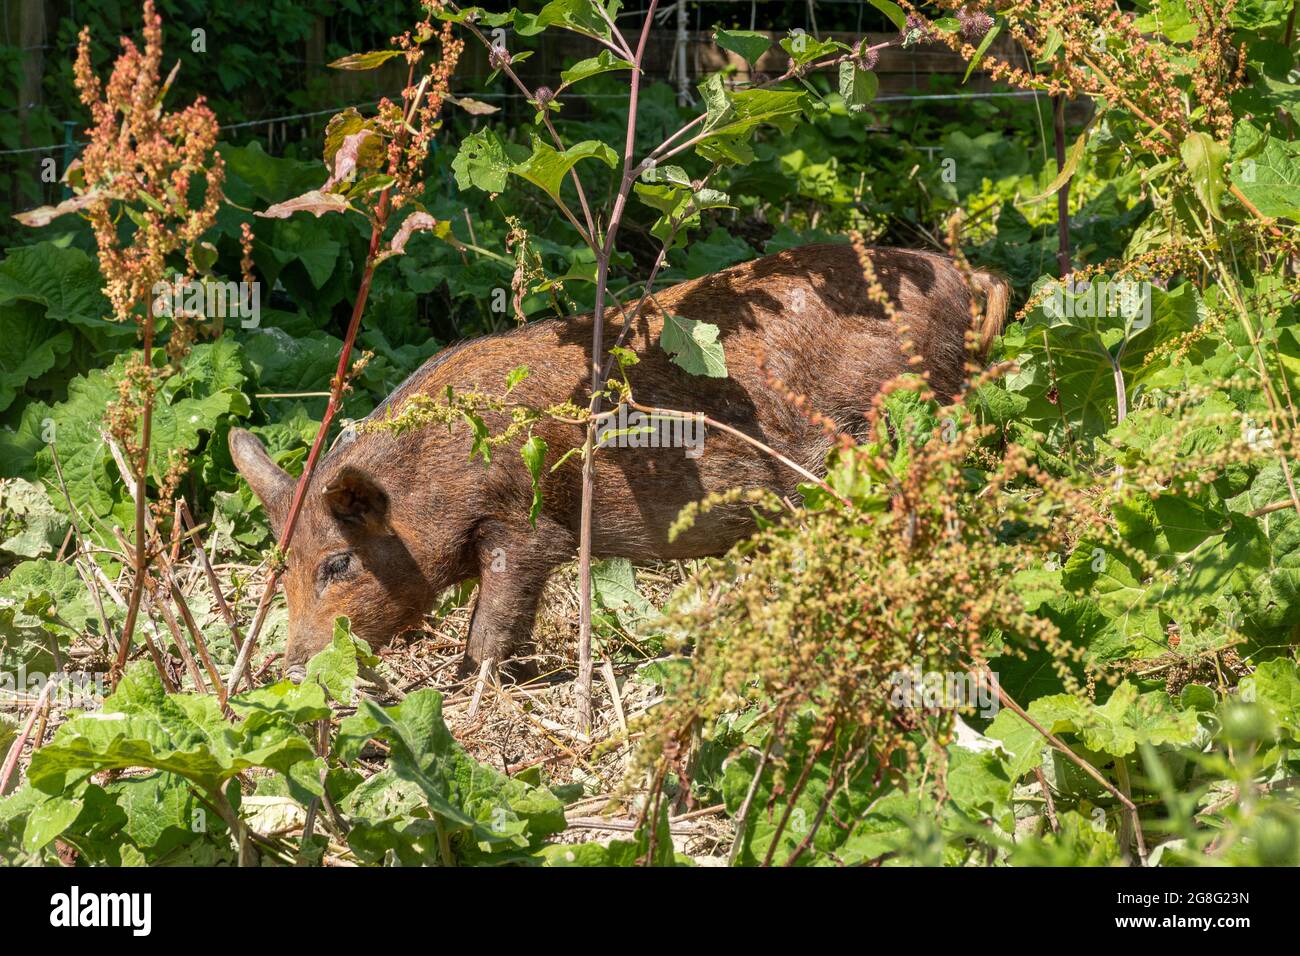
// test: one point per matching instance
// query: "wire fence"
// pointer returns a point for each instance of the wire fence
(683, 67)
(515, 95)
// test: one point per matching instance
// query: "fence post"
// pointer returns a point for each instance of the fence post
(679, 51)
(31, 39)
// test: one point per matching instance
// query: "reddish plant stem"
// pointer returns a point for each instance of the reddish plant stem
(337, 387)
(16, 749)
(141, 503)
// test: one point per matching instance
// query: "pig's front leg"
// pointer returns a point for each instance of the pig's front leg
(514, 563)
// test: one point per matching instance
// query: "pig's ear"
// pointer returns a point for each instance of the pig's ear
(355, 498)
(271, 483)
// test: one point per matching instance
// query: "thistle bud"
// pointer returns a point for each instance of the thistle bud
(974, 24)
(916, 27)
(865, 56)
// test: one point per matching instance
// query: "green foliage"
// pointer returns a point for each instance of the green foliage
(433, 803)
(694, 346)
(1107, 523)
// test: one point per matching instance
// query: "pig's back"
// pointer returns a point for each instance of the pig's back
(802, 316)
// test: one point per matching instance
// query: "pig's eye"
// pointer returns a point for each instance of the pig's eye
(335, 566)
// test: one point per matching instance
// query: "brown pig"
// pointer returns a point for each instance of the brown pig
(391, 521)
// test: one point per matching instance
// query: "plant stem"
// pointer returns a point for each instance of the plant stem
(141, 504)
(1062, 194)
(597, 352)
(337, 387)
(1089, 769)
(16, 749)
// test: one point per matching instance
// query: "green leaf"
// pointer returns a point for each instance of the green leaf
(489, 814)
(978, 783)
(1066, 171)
(534, 455)
(731, 116)
(1205, 160)
(580, 16)
(1066, 352)
(1267, 171)
(1022, 744)
(335, 667)
(30, 346)
(613, 588)
(484, 160)
(48, 820)
(1170, 18)
(364, 61)
(980, 50)
(718, 250)
(1275, 685)
(142, 726)
(547, 167)
(602, 62)
(40, 528)
(1119, 725)
(857, 86)
(694, 346)
(669, 190)
(750, 44)
(804, 48)
(66, 282)
(48, 589)
(892, 10)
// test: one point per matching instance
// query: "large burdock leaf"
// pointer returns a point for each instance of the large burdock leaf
(208, 386)
(1267, 171)
(432, 790)
(1119, 725)
(65, 281)
(1269, 587)
(1275, 686)
(30, 346)
(1072, 341)
(980, 785)
(141, 726)
(50, 590)
(337, 666)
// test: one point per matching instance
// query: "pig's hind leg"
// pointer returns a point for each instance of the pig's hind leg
(514, 563)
